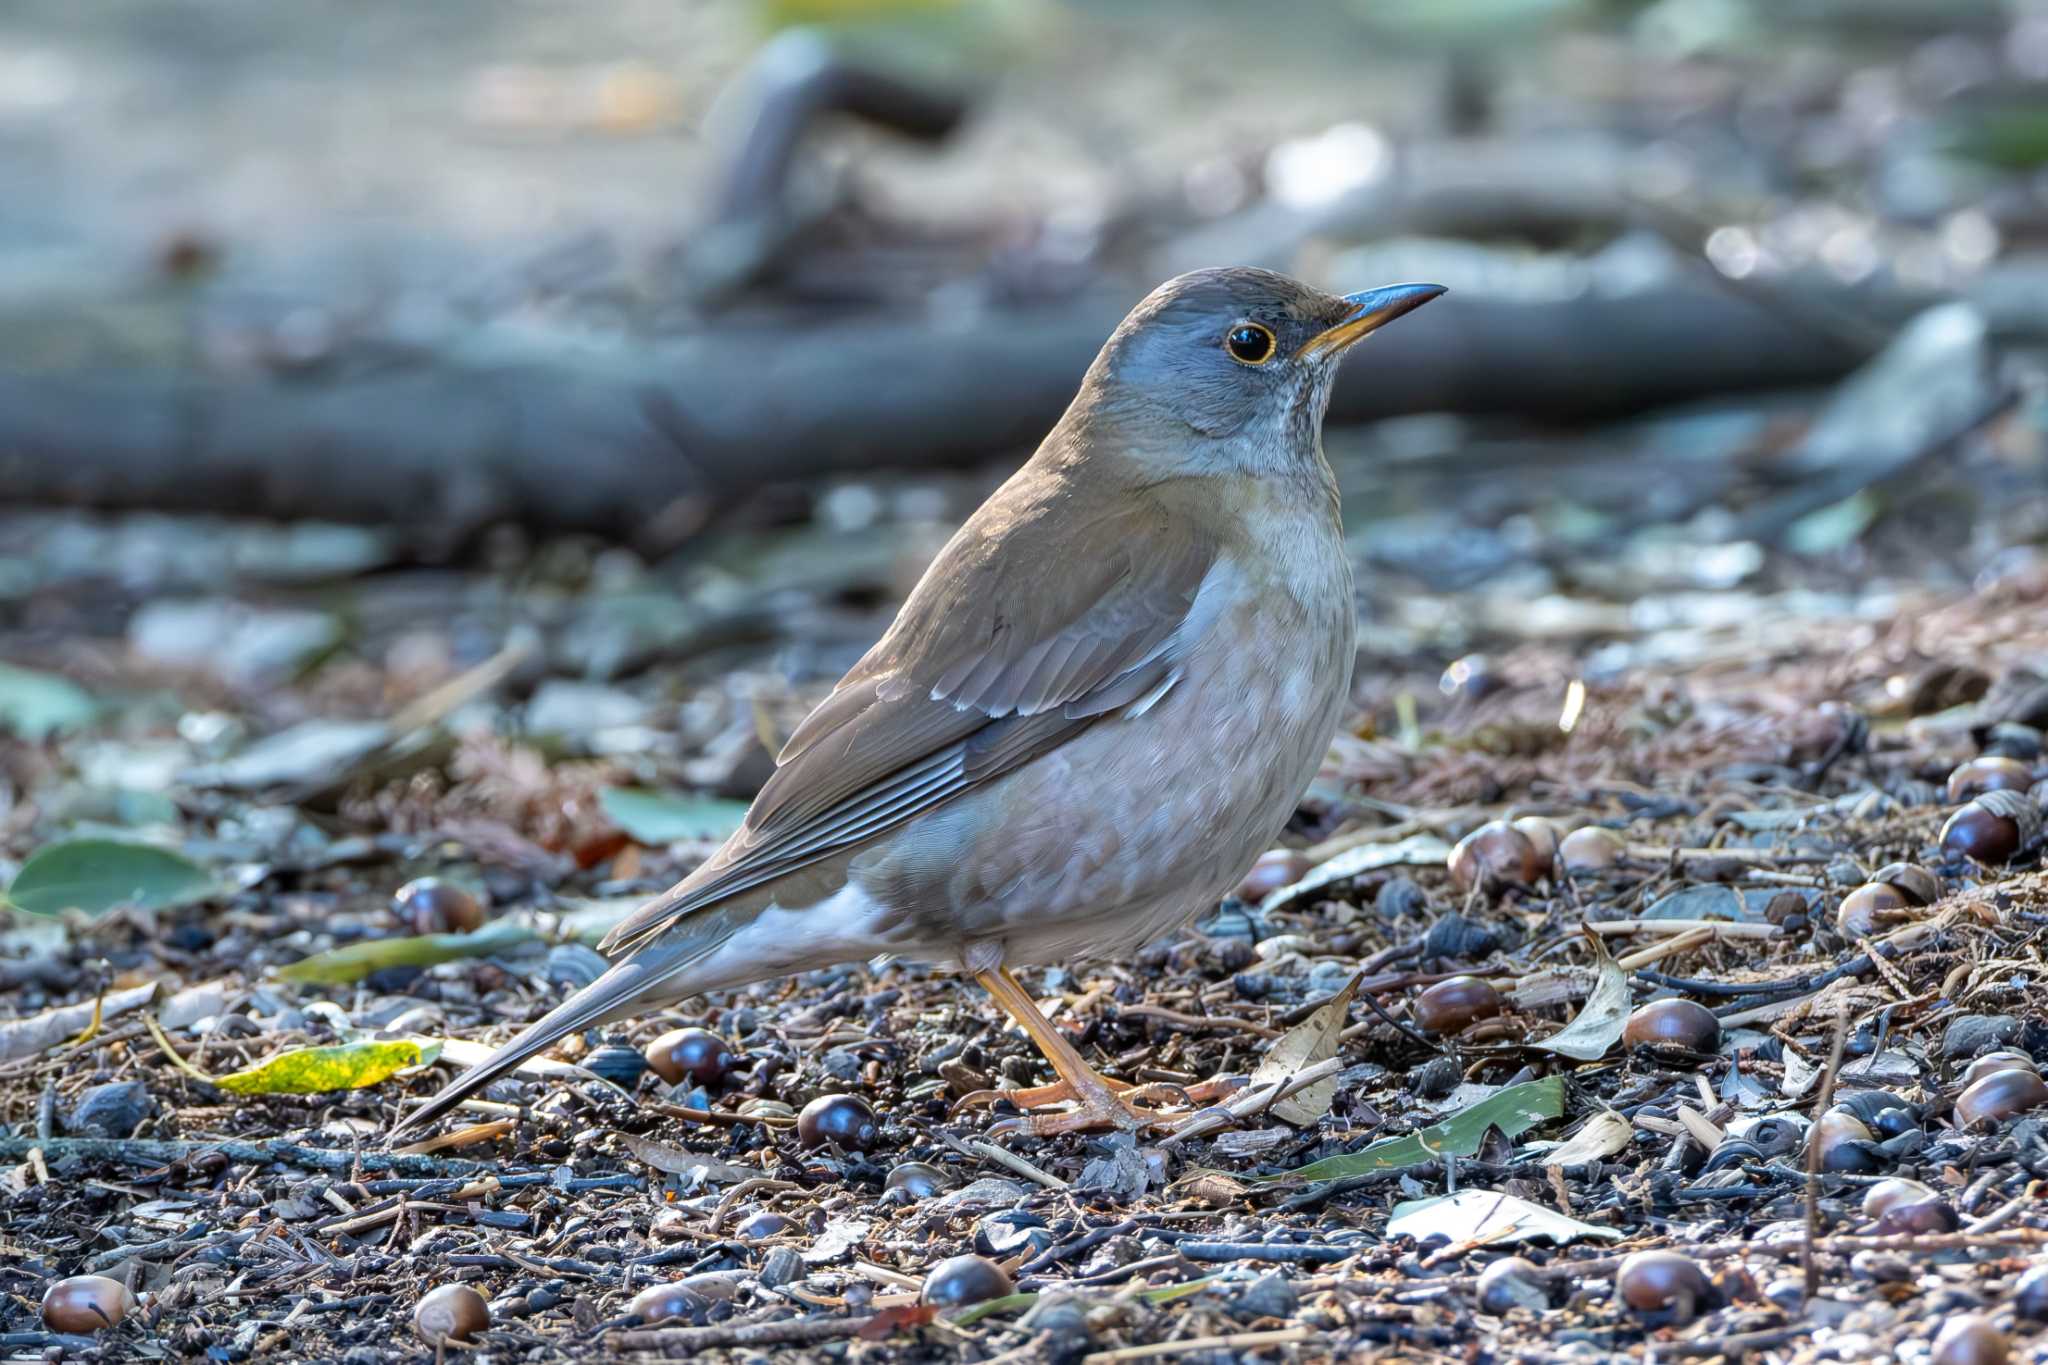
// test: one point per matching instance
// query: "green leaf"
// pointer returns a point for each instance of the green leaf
(339, 966)
(38, 705)
(314, 1070)
(658, 818)
(1514, 1111)
(96, 875)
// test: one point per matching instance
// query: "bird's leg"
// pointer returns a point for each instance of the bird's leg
(1100, 1102)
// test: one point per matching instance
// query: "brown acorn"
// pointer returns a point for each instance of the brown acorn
(1971, 1339)
(1453, 1005)
(429, 905)
(660, 1302)
(1590, 850)
(1665, 1284)
(1918, 885)
(844, 1119)
(1542, 837)
(1997, 1097)
(85, 1303)
(1870, 906)
(1673, 1023)
(1983, 1066)
(1274, 869)
(1844, 1141)
(695, 1054)
(1992, 828)
(1888, 1194)
(1990, 774)
(454, 1312)
(1495, 855)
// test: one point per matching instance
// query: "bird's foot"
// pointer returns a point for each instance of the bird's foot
(1105, 1104)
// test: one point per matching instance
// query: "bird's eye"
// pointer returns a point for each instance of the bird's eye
(1249, 343)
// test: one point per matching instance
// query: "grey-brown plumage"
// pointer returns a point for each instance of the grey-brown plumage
(1097, 707)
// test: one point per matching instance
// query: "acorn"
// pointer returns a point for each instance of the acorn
(1883, 1113)
(85, 1303)
(1495, 855)
(843, 1119)
(1673, 1023)
(429, 905)
(959, 1281)
(1542, 836)
(1992, 828)
(454, 1312)
(1453, 1005)
(1996, 1061)
(917, 1179)
(1889, 1194)
(618, 1063)
(1589, 850)
(1919, 885)
(1274, 869)
(1664, 1285)
(695, 1054)
(2000, 1095)
(660, 1302)
(1991, 774)
(1971, 1339)
(1920, 1216)
(1845, 1143)
(2030, 1294)
(1870, 906)
(1512, 1282)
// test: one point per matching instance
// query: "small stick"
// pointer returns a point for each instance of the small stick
(1721, 928)
(1232, 1341)
(988, 1151)
(1808, 1265)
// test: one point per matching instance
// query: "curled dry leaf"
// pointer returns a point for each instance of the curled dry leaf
(1598, 1025)
(1313, 1040)
(672, 1160)
(1603, 1135)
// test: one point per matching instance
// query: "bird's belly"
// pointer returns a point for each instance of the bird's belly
(1133, 827)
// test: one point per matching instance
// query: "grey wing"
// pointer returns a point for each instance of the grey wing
(944, 705)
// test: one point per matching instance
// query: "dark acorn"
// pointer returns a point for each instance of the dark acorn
(1996, 1061)
(1673, 1023)
(1883, 1113)
(1886, 1195)
(842, 1119)
(1589, 850)
(1512, 1282)
(694, 1054)
(1870, 907)
(1456, 1004)
(1992, 828)
(761, 1225)
(1665, 1286)
(1275, 868)
(959, 1281)
(1845, 1144)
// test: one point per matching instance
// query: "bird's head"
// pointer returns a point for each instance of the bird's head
(1237, 355)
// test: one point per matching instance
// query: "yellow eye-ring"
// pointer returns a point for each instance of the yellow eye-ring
(1250, 344)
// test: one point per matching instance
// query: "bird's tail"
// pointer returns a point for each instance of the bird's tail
(647, 977)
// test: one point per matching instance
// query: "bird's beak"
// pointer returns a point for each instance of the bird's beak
(1370, 310)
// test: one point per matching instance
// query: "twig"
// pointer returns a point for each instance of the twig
(681, 1342)
(1721, 928)
(1233, 1341)
(1252, 1100)
(165, 1151)
(1809, 1268)
(988, 1151)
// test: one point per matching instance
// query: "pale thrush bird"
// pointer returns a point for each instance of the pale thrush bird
(1097, 708)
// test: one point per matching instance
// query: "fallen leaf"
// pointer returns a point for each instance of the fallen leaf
(1313, 1040)
(315, 1070)
(840, 1236)
(1599, 1023)
(1514, 1110)
(97, 875)
(37, 705)
(1419, 850)
(1488, 1216)
(1604, 1134)
(658, 818)
(40, 1032)
(671, 1160)
(340, 966)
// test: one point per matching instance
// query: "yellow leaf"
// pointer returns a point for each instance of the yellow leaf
(311, 1070)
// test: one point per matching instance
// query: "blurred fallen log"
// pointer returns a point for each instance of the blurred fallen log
(659, 433)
